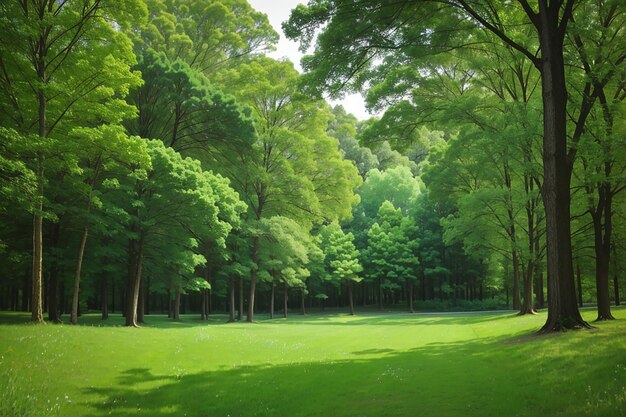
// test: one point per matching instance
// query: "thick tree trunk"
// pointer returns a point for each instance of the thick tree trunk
(272, 297)
(562, 308)
(253, 274)
(602, 244)
(350, 296)
(285, 299)
(602, 287)
(528, 306)
(135, 261)
(141, 303)
(79, 266)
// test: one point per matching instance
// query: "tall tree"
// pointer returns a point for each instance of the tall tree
(415, 29)
(295, 169)
(63, 64)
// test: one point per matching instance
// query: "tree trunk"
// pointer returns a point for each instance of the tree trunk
(528, 306)
(602, 245)
(37, 287)
(169, 302)
(562, 308)
(303, 310)
(141, 303)
(516, 292)
(410, 291)
(176, 309)
(205, 309)
(231, 298)
(204, 304)
(253, 274)
(272, 296)
(380, 293)
(135, 261)
(285, 299)
(37, 290)
(79, 266)
(350, 296)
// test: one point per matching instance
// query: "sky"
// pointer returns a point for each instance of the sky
(277, 12)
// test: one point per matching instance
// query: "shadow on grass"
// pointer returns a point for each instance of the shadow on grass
(488, 377)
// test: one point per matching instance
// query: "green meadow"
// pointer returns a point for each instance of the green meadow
(388, 364)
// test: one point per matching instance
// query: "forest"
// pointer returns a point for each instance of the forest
(192, 224)
(154, 159)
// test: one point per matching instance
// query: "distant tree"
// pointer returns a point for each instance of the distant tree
(341, 258)
(391, 254)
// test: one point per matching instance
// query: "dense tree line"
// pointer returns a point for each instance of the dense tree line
(153, 158)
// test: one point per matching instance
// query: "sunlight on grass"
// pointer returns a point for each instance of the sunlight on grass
(374, 365)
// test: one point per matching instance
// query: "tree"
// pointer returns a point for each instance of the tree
(392, 248)
(283, 256)
(173, 199)
(64, 65)
(424, 28)
(598, 78)
(294, 170)
(343, 127)
(341, 258)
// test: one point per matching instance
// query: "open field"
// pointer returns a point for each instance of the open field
(321, 365)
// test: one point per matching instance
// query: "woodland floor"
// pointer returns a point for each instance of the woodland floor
(318, 365)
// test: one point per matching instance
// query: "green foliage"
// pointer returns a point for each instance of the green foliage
(285, 253)
(341, 258)
(392, 246)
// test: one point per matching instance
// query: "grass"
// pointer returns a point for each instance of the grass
(321, 365)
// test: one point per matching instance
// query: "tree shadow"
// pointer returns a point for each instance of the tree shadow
(475, 378)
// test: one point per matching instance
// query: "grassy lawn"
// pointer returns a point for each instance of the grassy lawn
(320, 365)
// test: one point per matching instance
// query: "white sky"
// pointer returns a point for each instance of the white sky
(278, 11)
